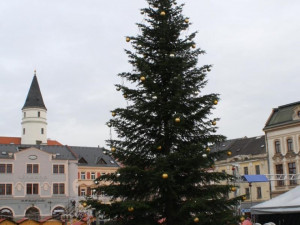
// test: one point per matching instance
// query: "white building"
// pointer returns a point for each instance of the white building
(282, 132)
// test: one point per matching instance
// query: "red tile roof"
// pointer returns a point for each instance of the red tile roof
(22, 220)
(17, 141)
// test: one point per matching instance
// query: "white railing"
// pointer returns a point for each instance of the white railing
(272, 177)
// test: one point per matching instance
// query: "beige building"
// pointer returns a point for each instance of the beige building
(282, 131)
(245, 156)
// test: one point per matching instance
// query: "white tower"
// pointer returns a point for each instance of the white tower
(34, 119)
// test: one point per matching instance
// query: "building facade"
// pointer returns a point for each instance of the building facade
(282, 132)
(41, 177)
(245, 156)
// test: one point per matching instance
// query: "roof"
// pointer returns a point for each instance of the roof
(17, 141)
(241, 146)
(255, 178)
(283, 115)
(34, 97)
(288, 202)
(93, 156)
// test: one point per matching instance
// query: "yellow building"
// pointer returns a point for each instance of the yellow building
(92, 163)
(245, 156)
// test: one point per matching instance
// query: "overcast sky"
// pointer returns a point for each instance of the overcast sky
(77, 48)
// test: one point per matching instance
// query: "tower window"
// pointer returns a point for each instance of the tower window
(39, 114)
(42, 130)
(23, 130)
(24, 114)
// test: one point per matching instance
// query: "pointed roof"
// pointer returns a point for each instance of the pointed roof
(34, 97)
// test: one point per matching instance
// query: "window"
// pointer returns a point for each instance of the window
(42, 130)
(279, 170)
(290, 145)
(24, 114)
(82, 175)
(277, 147)
(32, 168)
(247, 193)
(93, 175)
(246, 170)
(32, 189)
(258, 191)
(58, 188)
(5, 168)
(39, 114)
(257, 169)
(292, 170)
(23, 130)
(5, 189)
(59, 169)
(82, 192)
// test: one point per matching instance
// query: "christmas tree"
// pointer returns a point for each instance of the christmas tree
(165, 132)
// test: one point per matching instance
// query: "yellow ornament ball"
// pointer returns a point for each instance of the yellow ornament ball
(186, 20)
(208, 149)
(214, 122)
(196, 220)
(244, 198)
(125, 96)
(84, 204)
(177, 120)
(127, 39)
(113, 149)
(130, 209)
(165, 176)
(159, 147)
(242, 219)
(143, 78)
(215, 102)
(113, 113)
(233, 188)
(229, 153)
(194, 46)
(162, 13)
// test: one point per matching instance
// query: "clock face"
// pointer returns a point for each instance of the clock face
(32, 157)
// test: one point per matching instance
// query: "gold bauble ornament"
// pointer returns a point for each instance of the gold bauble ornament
(186, 20)
(196, 220)
(127, 39)
(113, 113)
(208, 69)
(244, 198)
(177, 120)
(159, 147)
(214, 122)
(143, 78)
(84, 204)
(125, 96)
(165, 176)
(118, 88)
(194, 46)
(215, 102)
(208, 149)
(113, 149)
(233, 188)
(242, 219)
(229, 153)
(130, 209)
(162, 13)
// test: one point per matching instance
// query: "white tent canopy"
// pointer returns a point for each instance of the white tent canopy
(288, 202)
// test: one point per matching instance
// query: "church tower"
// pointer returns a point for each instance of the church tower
(34, 119)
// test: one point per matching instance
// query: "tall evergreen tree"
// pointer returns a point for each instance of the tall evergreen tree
(165, 132)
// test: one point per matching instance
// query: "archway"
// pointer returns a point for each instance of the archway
(33, 213)
(57, 212)
(6, 213)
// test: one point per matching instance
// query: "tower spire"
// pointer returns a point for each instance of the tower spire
(34, 98)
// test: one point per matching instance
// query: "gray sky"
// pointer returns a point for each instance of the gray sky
(77, 49)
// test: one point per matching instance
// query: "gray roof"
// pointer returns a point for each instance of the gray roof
(242, 146)
(60, 152)
(34, 97)
(94, 157)
(283, 115)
